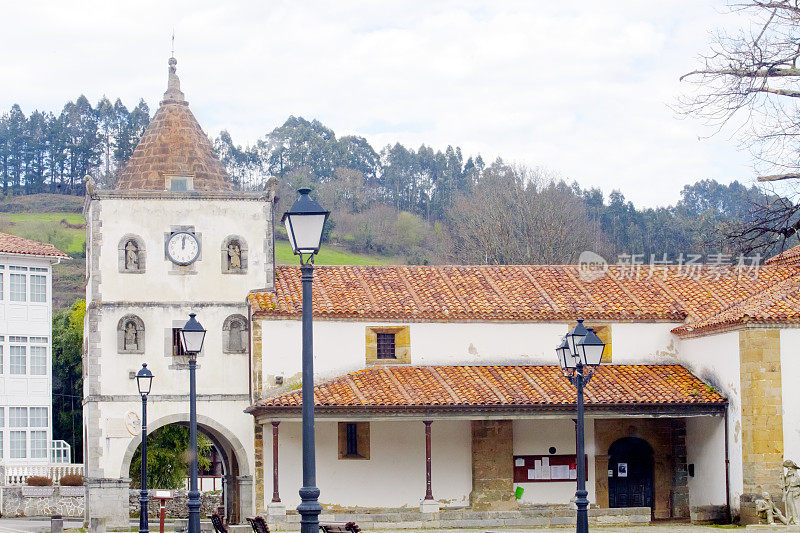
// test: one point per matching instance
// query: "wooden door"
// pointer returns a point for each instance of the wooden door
(630, 476)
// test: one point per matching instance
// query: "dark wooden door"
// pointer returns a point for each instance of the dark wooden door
(630, 480)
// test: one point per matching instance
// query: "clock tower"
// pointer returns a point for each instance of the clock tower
(173, 237)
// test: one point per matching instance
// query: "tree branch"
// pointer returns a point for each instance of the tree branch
(779, 177)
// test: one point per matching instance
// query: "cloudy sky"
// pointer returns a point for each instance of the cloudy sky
(582, 88)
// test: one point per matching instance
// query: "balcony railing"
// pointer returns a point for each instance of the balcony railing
(18, 475)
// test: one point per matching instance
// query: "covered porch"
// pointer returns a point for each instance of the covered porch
(497, 439)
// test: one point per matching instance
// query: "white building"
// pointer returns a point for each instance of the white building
(26, 317)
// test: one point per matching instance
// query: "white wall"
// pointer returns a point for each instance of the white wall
(394, 475)
(535, 437)
(705, 448)
(715, 359)
(790, 370)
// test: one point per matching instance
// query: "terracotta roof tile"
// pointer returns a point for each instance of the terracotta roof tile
(514, 292)
(484, 386)
(787, 257)
(11, 244)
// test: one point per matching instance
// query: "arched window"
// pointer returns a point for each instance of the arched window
(234, 334)
(234, 255)
(130, 334)
(131, 254)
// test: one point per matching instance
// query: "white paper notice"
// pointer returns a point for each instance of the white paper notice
(559, 472)
(537, 467)
(519, 461)
(573, 474)
(531, 473)
(545, 468)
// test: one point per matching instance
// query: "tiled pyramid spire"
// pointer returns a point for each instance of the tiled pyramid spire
(173, 145)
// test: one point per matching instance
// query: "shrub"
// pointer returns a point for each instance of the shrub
(71, 480)
(39, 481)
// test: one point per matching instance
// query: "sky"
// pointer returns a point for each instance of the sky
(584, 89)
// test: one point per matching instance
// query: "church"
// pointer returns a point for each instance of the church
(437, 388)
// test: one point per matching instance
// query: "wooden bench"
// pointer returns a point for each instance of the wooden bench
(258, 524)
(339, 527)
(219, 525)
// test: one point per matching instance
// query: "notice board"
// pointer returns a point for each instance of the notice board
(546, 468)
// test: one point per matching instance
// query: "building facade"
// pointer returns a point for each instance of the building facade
(26, 317)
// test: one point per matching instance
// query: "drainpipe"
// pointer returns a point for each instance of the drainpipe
(727, 471)
(249, 348)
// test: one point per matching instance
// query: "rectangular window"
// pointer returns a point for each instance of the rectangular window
(38, 417)
(19, 449)
(353, 440)
(18, 287)
(38, 288)
(178, 184)
(2, 416)
(39, 360)
(18, 417)
(17, 360)
(177, 345)
(1, 355)
(38, 444)
(386, 346)
(2, 275)
(38, 269)
(18, 268)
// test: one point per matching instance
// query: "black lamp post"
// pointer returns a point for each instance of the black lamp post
(192, 336)
(304, 222)
(579, 355)
(144, 380)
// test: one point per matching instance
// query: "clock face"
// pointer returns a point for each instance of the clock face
(183, 248)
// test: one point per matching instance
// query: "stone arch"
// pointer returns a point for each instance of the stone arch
(236, 242)
(234, 334)
(238, 476)
(130, 334)
(136, 245)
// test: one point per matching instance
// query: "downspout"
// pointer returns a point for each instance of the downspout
(249, 349)
(727, 472)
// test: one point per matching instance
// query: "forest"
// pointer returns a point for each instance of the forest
(421, 206)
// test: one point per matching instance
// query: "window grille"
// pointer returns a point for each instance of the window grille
(386, 346)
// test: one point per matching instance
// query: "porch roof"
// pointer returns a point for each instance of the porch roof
(500, 389)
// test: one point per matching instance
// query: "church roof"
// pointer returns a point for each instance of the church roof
(497, 387)
(174, 144)
(787, 257)
(518, 292)
(11, 244)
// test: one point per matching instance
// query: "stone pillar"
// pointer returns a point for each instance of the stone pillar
(762, 417)
(108, 499)
(246, 503)
(492, 466)
(258, 445)
(680, 473)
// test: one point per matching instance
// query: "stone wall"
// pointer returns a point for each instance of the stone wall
(176, 508)
(56, 501)
(762, 417)
(492, 466)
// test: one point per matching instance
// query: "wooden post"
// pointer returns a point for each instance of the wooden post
(428, 491)
(275, 496)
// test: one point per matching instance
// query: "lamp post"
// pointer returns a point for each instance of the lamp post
(144, 380)
(304, 223)
(192, 336)
(579, 355)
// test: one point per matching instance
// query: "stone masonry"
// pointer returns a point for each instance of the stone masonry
(762, 419)
(492, 466)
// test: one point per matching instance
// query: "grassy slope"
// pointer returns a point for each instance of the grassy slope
(328, 255)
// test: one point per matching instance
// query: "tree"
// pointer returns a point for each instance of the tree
(68, 377)
(168, 457)
(750, 78)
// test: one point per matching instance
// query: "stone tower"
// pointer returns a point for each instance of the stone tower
(173, 237)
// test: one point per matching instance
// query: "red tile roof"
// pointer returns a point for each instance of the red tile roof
(11, 244)
(500, 386)
(516, 292)
(787, 257)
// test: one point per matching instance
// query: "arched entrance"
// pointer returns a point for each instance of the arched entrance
(630, 464)
(235, 465)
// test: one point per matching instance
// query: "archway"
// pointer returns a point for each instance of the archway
(630, 465)
(235, 466)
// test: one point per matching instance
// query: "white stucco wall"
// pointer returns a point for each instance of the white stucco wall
(394, 475)
(535, 437)
(715, 359)
(790, 369)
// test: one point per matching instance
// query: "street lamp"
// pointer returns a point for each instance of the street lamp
(192, 336)
(579, 355)
(144, 380)
(304, 223)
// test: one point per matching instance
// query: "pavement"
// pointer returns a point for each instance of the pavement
(34, 525)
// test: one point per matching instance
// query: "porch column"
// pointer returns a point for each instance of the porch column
(275, 507)
(428, 505)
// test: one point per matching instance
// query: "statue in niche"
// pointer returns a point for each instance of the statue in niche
(791, 492)
(235, 337)
(768, 511)
(234, 256)
(131, 256)
(131, 340)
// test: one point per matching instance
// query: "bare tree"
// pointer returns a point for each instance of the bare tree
(750, 81)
